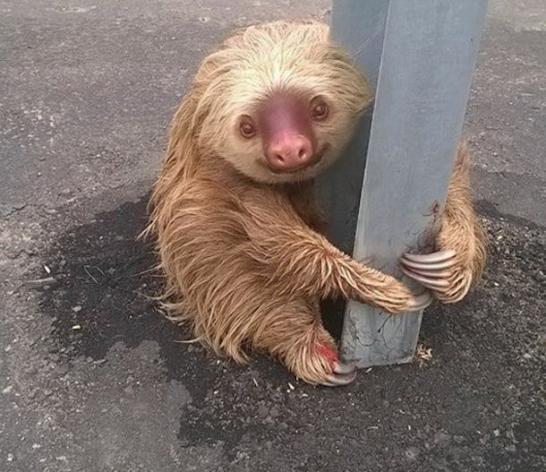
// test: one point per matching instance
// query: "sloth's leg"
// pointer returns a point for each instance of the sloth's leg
(294, 334)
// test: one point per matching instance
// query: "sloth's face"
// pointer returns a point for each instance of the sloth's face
(288, 137)
(287, 112)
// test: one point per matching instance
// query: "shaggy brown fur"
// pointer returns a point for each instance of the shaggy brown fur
(243, 262)
(461, 231)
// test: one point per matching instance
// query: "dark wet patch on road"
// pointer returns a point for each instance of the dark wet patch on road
(105, 280)
(475, 404)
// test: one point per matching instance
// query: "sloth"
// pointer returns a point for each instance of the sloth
(236, 224)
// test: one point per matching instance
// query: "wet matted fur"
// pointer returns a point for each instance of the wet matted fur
(243, 261)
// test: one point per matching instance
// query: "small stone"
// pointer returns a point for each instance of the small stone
(76, 309)
(10, 457)
(45, 282)
(527, 356)
(76, 327)
(262, 411)
(442, 438)
(412, 453)
(7, 390)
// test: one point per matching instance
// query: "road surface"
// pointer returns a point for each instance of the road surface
(92, 378)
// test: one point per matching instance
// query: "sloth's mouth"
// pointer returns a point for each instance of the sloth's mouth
(294, 170)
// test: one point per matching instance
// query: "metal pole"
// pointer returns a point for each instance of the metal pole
(419, 54)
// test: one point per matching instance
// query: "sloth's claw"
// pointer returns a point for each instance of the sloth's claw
(432, 282)
(421, 301)
(437, 261)
(344, 368)
(338, 380)
(430, 270)
(433, 257)
(432, 266)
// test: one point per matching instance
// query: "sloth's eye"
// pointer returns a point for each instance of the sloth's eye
(247, 127)
(319, 109)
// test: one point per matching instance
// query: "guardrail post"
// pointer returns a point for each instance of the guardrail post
(419, 55)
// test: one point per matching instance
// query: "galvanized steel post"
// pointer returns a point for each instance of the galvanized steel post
(419, 56)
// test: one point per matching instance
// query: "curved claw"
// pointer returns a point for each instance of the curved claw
(338, 380)
(429, 265)
(433, 271)
(445, 264)
(433, 283)
(344, 368)
(433, 257)
(432, 274)
(421, 301)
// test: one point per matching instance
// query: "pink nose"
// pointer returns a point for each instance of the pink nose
(289, 152)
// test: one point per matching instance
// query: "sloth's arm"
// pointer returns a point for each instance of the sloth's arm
(298, 260)
(461, 242)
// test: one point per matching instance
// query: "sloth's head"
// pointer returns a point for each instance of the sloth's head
(280, 101)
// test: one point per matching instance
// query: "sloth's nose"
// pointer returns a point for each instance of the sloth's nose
(289, 152)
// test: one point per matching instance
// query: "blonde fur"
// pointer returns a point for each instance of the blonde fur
(237, 243)
(461, 231)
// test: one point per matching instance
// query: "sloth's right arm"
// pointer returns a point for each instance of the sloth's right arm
(300, 261)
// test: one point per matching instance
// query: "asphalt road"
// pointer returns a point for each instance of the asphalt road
(92, 378)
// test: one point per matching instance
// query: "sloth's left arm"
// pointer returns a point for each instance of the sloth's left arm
(461, 242)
